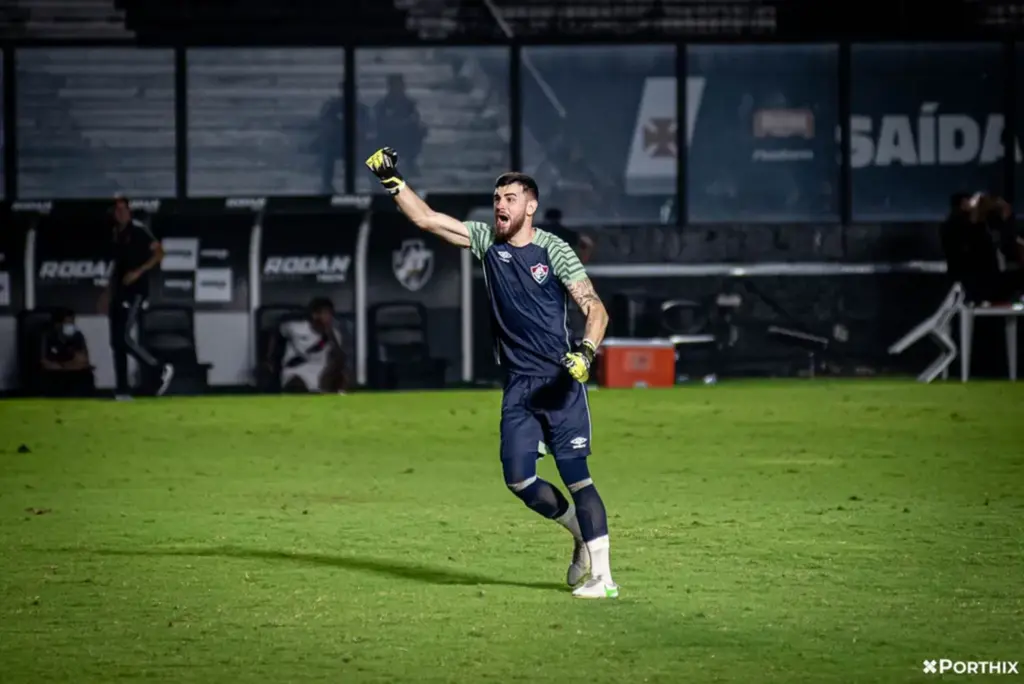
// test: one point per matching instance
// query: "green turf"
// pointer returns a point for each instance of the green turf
(785, 532)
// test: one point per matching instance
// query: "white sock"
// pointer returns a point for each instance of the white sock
(568, 521)
(600, 565)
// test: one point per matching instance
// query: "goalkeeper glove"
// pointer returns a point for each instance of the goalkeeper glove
(383, 163)
(578, 362)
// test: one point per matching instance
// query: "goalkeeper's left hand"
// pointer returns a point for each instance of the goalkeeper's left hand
(578, 362)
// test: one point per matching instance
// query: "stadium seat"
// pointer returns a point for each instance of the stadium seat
(689, 324)
(967, 313)
(399, 355)
(267, 328)
(169, 333)
(32, 325)
(936, 326)
(268, 323)
(63, 20)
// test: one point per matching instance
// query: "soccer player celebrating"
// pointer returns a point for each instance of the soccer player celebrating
(530, 273)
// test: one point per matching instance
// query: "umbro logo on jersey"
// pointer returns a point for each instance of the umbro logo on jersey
(539, 272)
(504, 256)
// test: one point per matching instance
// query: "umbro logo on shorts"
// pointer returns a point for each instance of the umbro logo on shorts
(578, 442)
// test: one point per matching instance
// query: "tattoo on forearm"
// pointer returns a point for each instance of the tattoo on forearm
(583, 294)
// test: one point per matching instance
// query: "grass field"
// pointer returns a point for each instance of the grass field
(789, 532)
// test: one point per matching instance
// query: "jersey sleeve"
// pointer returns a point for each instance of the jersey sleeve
(481, 237)
(564, 262)
(144, 232)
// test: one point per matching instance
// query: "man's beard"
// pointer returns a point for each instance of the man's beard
(515, 224)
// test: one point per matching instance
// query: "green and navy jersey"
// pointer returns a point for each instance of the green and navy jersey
(528, 297)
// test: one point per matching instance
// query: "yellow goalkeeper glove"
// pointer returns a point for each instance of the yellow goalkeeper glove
(384, 164)
(578, 362)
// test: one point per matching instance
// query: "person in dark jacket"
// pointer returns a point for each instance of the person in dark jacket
(982, 249)
(136, 252)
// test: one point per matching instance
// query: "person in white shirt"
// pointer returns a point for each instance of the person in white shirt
(313, 360)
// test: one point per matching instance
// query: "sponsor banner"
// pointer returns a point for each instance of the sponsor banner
(614, 107)
(406, 264)
(206, 261)
(911, 148)
(309, 255)
(762, 131)
(73, 261)
(651, 167)
(762, 144)
(12, 266)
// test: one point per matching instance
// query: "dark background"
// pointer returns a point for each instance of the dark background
(196, 102)
(88, 122)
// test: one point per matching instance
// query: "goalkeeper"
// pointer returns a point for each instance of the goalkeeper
(530, 275)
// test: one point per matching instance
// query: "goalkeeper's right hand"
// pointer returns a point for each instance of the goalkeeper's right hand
(384, 164)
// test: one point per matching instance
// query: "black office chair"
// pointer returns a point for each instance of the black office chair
(399, 349)
(168, 332)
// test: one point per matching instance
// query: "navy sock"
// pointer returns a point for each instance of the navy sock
(590, 512)
(542, 497)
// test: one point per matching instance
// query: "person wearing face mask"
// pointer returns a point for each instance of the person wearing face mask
(65, 359)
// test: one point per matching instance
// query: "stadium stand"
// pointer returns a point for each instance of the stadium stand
(306, 21)
(252, 118)
(60, 19)
(93, 121)
(278, 21)
(578, 17)
(254, 113)
(1007, 16)
(463, 109)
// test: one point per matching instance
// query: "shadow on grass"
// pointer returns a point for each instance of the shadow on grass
(376, 566)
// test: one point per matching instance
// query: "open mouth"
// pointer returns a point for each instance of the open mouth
(502, 219)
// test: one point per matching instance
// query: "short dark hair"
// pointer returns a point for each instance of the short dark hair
(321, 304)
(513, 177)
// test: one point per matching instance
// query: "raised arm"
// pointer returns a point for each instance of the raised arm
(425, 218)
(383, 163)
(582, 292)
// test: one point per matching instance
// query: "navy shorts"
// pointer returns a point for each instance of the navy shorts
(544, 415)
